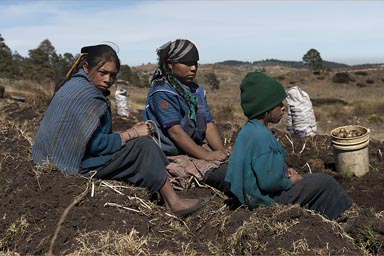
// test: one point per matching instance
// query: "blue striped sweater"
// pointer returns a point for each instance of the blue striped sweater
(71, 118)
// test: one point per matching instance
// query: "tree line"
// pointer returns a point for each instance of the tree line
(45, 65)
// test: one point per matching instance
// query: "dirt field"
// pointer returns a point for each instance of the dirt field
(43, 211)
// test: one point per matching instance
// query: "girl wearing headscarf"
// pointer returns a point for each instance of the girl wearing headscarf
(178, 107)
(257, 171)
(76, 133)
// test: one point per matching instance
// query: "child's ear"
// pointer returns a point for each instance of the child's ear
(169, 64)
(85, 67)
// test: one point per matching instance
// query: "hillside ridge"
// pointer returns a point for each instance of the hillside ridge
(295, 64)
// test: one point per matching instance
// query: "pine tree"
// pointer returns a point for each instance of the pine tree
(18, 65)
(62, 66)
(42, 63)
(6, 64)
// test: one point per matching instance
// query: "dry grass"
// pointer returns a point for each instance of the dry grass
(362, 105)
(111, 243)
(250, 237)
(334, 104)
(14, 230)
(31, 91)
(136, 97)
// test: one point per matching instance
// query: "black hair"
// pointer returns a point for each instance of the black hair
(95, 56)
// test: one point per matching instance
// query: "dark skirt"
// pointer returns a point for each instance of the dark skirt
(216, 179)
(140, 162)
(319, 192)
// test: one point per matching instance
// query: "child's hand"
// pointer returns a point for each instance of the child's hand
(294, 176)
(142, 129)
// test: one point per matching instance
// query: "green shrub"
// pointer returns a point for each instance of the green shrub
(361, 73)
(371, 242)
(211, 79)
(370, 81)
(361, 85)
(375, 118)
(223, 113)
(341, 78)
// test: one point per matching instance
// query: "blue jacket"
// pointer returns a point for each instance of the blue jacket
(165, 107)
(257, 170)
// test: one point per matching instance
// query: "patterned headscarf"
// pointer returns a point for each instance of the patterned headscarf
(178, 51)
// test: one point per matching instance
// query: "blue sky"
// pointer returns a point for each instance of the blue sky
(349, 32)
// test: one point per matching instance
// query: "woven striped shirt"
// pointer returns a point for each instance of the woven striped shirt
(71, 118)
(166, 108)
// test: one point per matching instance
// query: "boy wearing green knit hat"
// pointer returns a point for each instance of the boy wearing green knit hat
(257, 170)
(260, 93)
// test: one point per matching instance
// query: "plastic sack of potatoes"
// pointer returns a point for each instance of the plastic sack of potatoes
(121, 97)
(301, 117)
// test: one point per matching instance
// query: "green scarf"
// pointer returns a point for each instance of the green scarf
(184, 91)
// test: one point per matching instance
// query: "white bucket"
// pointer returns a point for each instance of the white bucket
(350, 149)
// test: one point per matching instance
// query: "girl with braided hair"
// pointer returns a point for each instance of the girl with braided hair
(76, 133)
(178, 107)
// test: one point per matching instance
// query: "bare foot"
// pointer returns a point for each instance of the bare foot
(183, 204)
(180, 207)
(186, 207)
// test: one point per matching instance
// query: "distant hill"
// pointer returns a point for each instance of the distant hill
(274, 62)
(365, 66)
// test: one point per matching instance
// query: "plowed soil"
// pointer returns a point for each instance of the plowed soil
(44, 211)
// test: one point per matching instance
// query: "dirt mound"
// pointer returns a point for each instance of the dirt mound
(45, 211)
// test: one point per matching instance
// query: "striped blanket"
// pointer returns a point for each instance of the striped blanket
(72, 117)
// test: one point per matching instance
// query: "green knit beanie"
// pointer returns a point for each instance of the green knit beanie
(260, 93)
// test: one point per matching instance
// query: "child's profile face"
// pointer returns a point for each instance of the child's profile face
(184, 72)
(274, 115)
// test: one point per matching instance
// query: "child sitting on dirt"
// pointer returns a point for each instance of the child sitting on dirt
(178, 107)
(76, 133)
(257, 171)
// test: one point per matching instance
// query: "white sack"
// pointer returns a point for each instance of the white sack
(301, 118)
(121, 97)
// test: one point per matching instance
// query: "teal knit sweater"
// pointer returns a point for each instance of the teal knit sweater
(257, 170)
